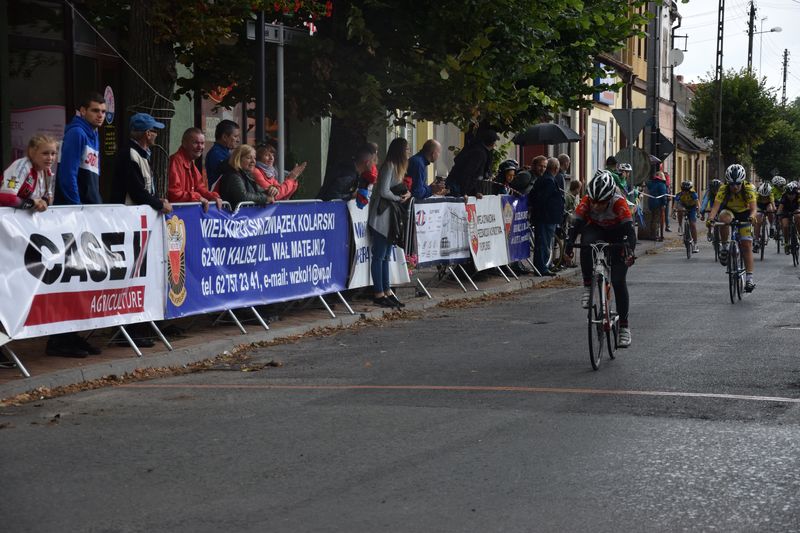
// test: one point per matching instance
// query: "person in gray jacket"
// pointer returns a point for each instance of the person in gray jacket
(384, 219)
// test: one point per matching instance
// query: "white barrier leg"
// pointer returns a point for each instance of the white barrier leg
(500, 269)
(419, 282)
(130, 341)
(236, 320)
(453, 273)
(11, 355)
(161, 335)
(347, 305)
(469, 278)
(326, 306)
(511, 270)
(258, 317)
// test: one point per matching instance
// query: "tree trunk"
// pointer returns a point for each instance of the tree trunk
(155, 62)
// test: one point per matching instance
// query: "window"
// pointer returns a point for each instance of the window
(598, 145)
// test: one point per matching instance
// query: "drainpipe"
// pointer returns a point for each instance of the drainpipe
(672, 91)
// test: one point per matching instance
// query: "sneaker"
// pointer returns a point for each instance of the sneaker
(64, 349)
(383, 301)
(585, 297)
(392, 298)
(668, 230)
(624, 337)
(749, 286)
(696, 249)
(85, 345)
(723, 257)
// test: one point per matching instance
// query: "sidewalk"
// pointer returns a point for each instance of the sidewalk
(205, 341)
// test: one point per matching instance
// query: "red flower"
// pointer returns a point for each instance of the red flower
(328, 8)
(277, 6)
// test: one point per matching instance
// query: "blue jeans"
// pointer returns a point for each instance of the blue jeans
(379, 262)
(543, 235)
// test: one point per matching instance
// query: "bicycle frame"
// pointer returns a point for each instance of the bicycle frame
(603, 321)
(735, 268)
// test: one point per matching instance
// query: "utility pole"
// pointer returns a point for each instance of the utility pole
(719, 74)
(785, 70)
(751, 28)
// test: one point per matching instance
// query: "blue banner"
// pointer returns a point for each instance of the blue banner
(517, 233)
(286, 251)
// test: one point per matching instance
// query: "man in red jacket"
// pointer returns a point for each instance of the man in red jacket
(186, 184)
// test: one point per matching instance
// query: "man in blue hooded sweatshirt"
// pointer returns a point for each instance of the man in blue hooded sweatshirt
(78, 175)
(78, 182)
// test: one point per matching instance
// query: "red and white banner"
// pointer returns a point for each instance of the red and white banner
(78, 268)
(486, 227)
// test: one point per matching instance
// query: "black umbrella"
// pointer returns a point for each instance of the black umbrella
(547, 133)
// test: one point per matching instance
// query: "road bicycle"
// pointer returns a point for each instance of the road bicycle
(688, 242)
(794, 247)
(735, 267)
(778, 234)
(763, 234)
(602, 318)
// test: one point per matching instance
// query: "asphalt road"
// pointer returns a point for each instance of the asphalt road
(486, 418)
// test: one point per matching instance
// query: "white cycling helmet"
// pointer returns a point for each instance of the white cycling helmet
(765, 189)
(735, 174)
(791, 187)
(779, 182)
(602, 186)
(624, 167)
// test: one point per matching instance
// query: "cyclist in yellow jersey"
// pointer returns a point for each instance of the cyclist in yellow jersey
(736, 199)
(765, 204)
(687, 204)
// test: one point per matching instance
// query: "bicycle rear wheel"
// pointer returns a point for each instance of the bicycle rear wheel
(609, 320)
(595, 320)
(715, 243)
(740, 274)
(733, 272)
(763, 237)
(794, 247)
(687, 237)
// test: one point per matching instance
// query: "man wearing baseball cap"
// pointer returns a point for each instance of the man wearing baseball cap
(134, 182)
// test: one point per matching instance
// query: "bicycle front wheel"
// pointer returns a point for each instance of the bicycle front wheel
(794, 248)
(763, 238)
(595, 321)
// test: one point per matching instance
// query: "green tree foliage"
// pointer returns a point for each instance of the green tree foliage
(780, 150)
(748, 114)
(504, 62)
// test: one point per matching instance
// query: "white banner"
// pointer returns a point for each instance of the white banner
(487, 234)
(360, 273)
(77, 268)
(441, 231)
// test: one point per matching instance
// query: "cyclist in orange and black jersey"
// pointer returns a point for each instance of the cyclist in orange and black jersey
(789, 207)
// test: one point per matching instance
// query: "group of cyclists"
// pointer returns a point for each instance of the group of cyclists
(604, 214)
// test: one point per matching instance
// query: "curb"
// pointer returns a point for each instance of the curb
(212, 349)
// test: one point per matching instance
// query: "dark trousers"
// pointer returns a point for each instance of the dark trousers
(543, 242)
(379, 263)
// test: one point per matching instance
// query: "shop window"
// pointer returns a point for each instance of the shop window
(36, 96)
(31, 18)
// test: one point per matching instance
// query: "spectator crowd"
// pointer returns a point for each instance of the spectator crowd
(237, 173)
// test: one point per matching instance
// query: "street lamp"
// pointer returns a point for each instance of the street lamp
(776, 29)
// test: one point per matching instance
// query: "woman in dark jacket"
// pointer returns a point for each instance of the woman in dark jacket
(237, 183)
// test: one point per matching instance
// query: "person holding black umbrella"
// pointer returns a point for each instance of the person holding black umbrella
(472, 164)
